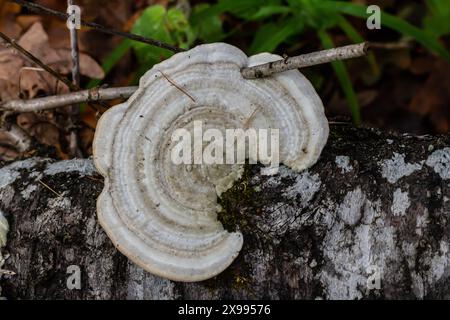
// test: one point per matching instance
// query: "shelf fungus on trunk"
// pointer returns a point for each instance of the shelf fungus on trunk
(4, 227)
(163, 215)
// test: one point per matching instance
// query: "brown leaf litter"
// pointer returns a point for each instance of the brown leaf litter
(19, 78)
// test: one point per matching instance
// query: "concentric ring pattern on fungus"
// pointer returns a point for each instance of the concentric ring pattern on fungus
(163, 216)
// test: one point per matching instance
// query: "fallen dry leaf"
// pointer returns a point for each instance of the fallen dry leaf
(44, 127)
(36, 41)
(19, 78)
(22, 79)
(58, 59)
(26, 21)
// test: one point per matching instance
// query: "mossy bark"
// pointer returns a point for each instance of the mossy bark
(370, 220)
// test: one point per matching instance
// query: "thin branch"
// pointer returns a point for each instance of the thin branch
(74, 51)
(4, 272)
(263, 70)
(177, 86)
(101, 94)
(74, 151)
(400, 45)
(51, 102)
(50, 188)
(64, 16)
(306, 60)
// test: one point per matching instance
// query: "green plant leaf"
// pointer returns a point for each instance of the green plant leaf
(389, 21)
(170, 26)
(244, 9)
(313, 16)
(179, 28)
(271, 35)
(267, 11)
(437, 21)
(343, 78)
(354, 35)
(151, 24)
(208, 29)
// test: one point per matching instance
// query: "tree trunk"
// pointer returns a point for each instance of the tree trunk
(370, 220)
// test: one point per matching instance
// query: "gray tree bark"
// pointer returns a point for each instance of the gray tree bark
(370, 220)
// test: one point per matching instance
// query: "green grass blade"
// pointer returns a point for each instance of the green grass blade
(354, 35)
(271, 35)
(244, 9)
(391, 22)
(218, 8)
(343, 78)
(267, 11)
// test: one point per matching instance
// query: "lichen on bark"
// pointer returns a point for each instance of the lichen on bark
(323, 233)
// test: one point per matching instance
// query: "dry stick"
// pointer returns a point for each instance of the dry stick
(98, 94)
(74, 50)
(306, 60)
(404, 44)
(176, 86)
(64, 16)
(50, 188)
(7, 272)
(51, 102)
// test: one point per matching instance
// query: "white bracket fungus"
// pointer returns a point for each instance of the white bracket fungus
(3, 234)
(163, 216)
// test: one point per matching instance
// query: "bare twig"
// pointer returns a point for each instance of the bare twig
(74, 151)
(99, 94)
(51, 102)
(400, 45)
(74, 51)
(176, 86)
(49, 188)
(7, 272)
(251, 117)
(305, 60)
(64, 16)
